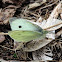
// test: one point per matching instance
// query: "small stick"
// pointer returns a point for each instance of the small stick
(52, 26)
(2, 33)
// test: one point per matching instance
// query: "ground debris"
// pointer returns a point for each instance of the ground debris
(7, 13)
(17, 2)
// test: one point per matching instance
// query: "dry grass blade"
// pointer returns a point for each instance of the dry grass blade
(1, 33)
(53, 26)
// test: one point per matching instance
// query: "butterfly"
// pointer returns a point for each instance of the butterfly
(24, 30)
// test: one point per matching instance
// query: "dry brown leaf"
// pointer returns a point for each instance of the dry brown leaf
(36, 4)
(7, 13)
(35, 45)
(2, 38)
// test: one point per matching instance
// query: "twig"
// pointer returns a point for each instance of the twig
(36, 4)
(1, 33)
(49, 5)
(53, 26)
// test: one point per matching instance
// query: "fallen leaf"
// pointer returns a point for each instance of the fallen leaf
(35, 45)
(7, 13)
(51, 22)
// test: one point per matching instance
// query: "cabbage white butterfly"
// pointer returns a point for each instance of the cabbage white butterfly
(24, 31)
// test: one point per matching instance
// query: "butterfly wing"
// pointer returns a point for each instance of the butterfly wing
(23, 30)
(23, 24)
(24, 36)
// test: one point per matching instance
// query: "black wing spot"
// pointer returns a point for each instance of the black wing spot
(20, 26)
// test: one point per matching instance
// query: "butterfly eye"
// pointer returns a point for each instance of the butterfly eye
(20, 26)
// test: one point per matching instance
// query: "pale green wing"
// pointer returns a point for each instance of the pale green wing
(24, 36)
(23, 24)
